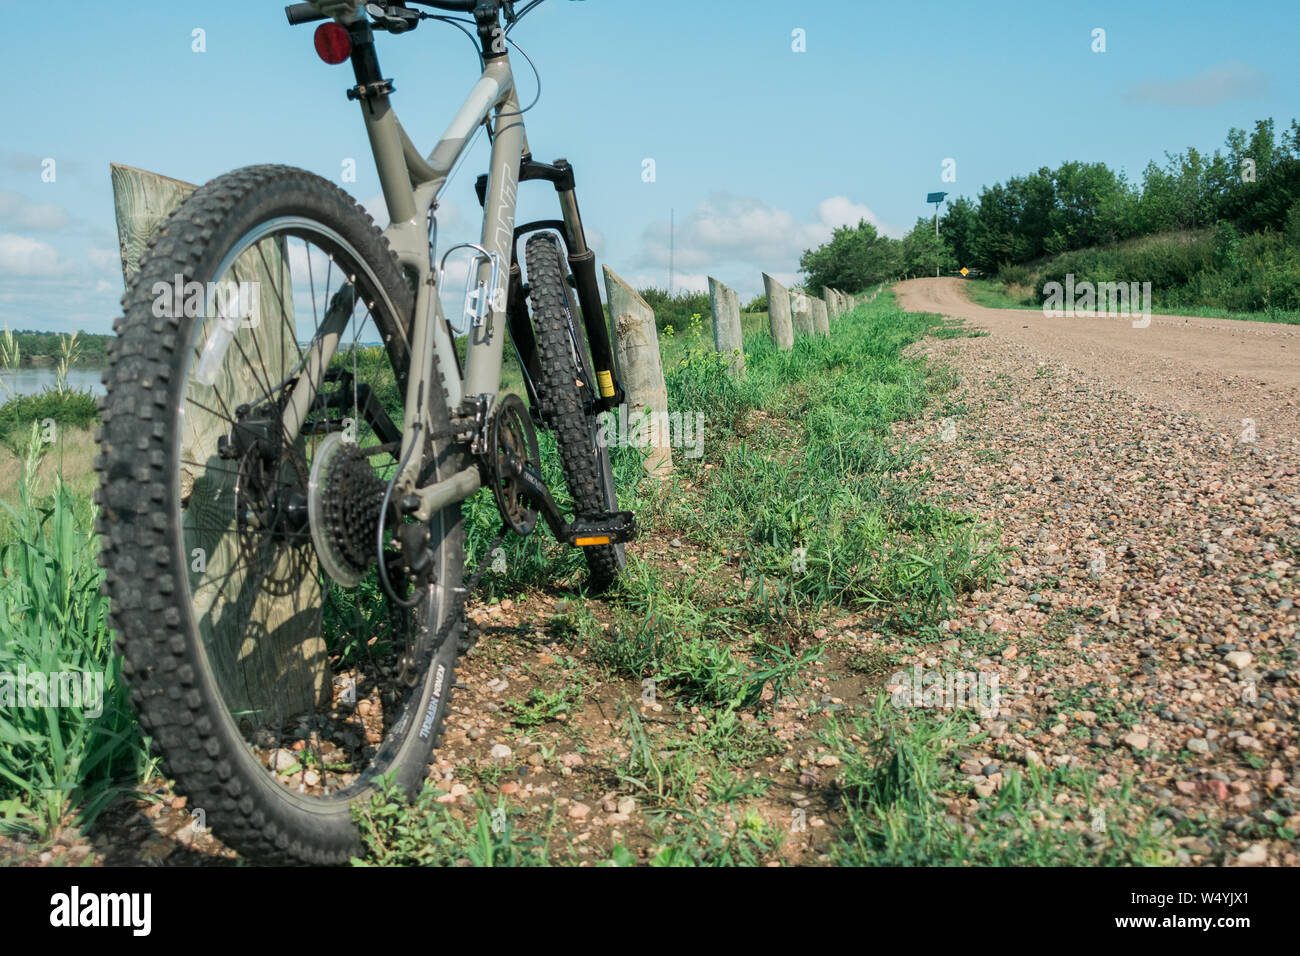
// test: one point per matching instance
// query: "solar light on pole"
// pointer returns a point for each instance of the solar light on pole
(937, 199)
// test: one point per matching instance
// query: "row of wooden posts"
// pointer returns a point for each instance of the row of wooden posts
(636, 344)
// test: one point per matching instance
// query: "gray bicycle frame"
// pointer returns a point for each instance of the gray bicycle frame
(411, 184)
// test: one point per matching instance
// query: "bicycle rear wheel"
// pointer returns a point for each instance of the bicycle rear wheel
(247, 444)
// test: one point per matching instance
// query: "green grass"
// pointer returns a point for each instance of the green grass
(424, 833)
(898, 774)
(823, 472)
(804, 505)
(993, 294)
(1208, 273)
(57, 762)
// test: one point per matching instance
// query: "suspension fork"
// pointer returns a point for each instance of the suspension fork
(582, 263)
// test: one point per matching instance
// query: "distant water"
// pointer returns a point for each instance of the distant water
(29, 381)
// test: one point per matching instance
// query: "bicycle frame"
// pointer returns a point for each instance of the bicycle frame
(411, 184)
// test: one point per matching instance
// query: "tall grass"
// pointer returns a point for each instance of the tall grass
(57, 403)
(816, 495)
(58, 762)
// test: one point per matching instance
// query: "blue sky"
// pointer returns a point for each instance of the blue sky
(759, 150)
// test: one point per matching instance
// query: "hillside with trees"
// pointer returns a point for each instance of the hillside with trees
(1215, 230)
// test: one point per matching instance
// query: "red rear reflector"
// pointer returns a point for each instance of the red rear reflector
(333, 45)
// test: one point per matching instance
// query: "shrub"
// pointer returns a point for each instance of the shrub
(676, 308)
(69, 408)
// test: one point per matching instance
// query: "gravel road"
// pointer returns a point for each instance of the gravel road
(1148, 625)
(1221, 369)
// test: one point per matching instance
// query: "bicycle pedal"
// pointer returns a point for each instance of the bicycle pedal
(613, 527)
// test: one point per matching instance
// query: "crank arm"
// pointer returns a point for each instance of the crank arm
(612, 528)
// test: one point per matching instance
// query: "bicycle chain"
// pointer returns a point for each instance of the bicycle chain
(405, 675)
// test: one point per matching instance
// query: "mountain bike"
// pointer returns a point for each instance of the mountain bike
(291, 430)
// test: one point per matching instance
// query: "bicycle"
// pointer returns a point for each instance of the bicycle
(284, 542)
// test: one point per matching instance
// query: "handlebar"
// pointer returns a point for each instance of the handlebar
(302, 13)
(306, 13)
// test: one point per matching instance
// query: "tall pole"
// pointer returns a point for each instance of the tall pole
(937, 199)
(936, 235)
(672, 224)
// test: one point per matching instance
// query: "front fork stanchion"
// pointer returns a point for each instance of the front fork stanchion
(582, 262)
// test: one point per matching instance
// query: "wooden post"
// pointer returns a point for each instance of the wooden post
(636, 347)
(778, 314)
(828, 298)
(274, 651)
(801, 312)
(821, 321)
(727, 336)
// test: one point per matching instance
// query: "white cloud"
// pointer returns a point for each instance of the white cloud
(1217, 84)
(842, 211)
(21, 256)
(735, 238)
(105, 260)
(726, 228)
(20, 213)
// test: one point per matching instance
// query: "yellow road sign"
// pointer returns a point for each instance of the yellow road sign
(964, 270)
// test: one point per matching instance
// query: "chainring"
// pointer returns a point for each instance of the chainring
(511, 438)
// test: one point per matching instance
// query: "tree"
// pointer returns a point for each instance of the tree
(1083, 193)
(923, 252)
(957, 228)
(856, 257)
(996, 222)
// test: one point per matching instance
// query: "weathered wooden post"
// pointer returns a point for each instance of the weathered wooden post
(821, 321)
(727, 336)
(636, 349)
(278, 653)
(801, 312)
(778, 313)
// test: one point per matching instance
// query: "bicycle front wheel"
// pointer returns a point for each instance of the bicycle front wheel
(563, 375)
